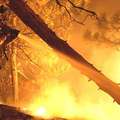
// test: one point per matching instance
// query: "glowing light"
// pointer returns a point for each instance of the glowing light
(40, 112)
(37, 110)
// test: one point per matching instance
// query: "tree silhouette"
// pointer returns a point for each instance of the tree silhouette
(24, 12)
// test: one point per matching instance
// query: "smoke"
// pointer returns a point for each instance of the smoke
(107, 28)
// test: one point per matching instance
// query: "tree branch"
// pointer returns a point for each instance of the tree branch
(71, 17)
(25, 13)
(83, 9)
(89, 12)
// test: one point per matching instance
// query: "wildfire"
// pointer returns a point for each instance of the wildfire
(59, 94)
(71, 96)
(57, 100)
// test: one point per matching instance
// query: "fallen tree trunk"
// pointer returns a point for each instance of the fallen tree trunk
(24, 12)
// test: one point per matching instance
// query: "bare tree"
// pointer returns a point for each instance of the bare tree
(24, 12)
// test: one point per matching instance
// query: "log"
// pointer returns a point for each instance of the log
(8, 112)
(12, 113)
(26, 14)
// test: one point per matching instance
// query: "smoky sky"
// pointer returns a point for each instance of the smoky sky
(107, 6)
(107, 28)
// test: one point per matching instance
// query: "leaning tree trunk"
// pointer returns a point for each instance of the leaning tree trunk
(24, 12)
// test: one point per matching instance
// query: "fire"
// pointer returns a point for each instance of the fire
(40, 112)
(71, 96)
(57, 101)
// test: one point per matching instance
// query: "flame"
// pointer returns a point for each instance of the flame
(72, 96)
(57, 100)
(40, 112)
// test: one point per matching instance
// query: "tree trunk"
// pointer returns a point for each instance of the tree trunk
(24, 12)
(14, 74)
(6, 81)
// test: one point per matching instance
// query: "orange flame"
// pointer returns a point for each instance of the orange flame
(73, 96)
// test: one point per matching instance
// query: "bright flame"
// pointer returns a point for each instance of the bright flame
(58, 101)
(73, 96)
(40, 112)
